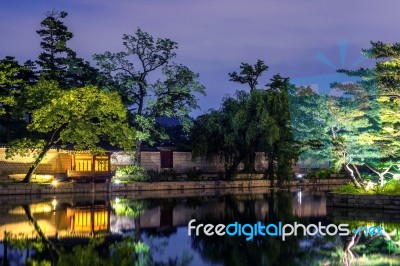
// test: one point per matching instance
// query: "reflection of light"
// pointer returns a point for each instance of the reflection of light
(299, 197)
(54, 183)
(117, 200)
(299, 176)
(117, 181)
(46, 209)
(54, 203)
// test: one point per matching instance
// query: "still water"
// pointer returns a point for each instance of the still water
(144, 230)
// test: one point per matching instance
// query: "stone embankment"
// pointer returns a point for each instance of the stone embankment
(177, 187)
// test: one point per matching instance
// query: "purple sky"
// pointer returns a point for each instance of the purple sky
(214, 36)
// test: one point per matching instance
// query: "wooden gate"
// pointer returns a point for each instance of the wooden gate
(167, 159)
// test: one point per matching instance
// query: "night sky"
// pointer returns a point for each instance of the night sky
(214, 36)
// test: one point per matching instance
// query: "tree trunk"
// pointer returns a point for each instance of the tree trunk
(249, 163)
(231, 171)
(138, 236)
(270, 170)
(5, 250)
(54, 252)
(35, 164)
(350, 172)
(138, 152)
(358, 175)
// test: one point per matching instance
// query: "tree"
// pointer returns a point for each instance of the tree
(58, 61)
(131, 71)
(310, 122)
(249, 74)
(250, 122)
(13, 78)
(374, 140)
(277, 141)
(217, 134)
(55, 35)
(82, 117)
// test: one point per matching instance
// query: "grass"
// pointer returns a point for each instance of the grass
(392, 187)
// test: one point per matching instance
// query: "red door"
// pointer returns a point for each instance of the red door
(167, 159)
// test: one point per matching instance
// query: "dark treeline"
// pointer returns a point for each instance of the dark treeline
(61, 99)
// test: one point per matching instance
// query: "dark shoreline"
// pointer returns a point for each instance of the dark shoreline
(172, 187)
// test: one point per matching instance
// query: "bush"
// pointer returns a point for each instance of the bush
(392, 187)
(132, 173)
(349, 188)
(194, 174)
(321, 173)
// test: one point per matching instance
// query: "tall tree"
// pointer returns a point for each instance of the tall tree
(277, 141)
(82, 117)
(132, 71)
(58, 61)
(55, 36)
(250, 122)
(249, 74)
(375, 143)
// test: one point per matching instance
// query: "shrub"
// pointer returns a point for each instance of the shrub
(194, 174)
(349, 188)
(132, 173)
(169, 174)
(321, 173)
(392, 187)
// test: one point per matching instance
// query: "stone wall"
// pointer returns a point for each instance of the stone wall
(182, 162)
(381, 202)
(175, 188)
(53, 163)
(58, 162)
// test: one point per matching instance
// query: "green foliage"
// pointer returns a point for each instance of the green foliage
(321, 173)
(13, 79)
(82, 117)
(124, 253)
(129, 207)
(59, 62)
(250, 122)
(8, 84)
(24, 147)
(55, 36)
(249, 74)
(194, 174)
(131, 72)
(349, 188)
(392, 187)
(132, 173)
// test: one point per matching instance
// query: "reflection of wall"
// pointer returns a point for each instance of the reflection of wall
(308, 206)
(216, 212)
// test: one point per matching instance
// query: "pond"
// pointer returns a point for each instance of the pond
(135, 230)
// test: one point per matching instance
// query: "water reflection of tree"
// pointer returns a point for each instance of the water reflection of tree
(262, 250)
(376, 250)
